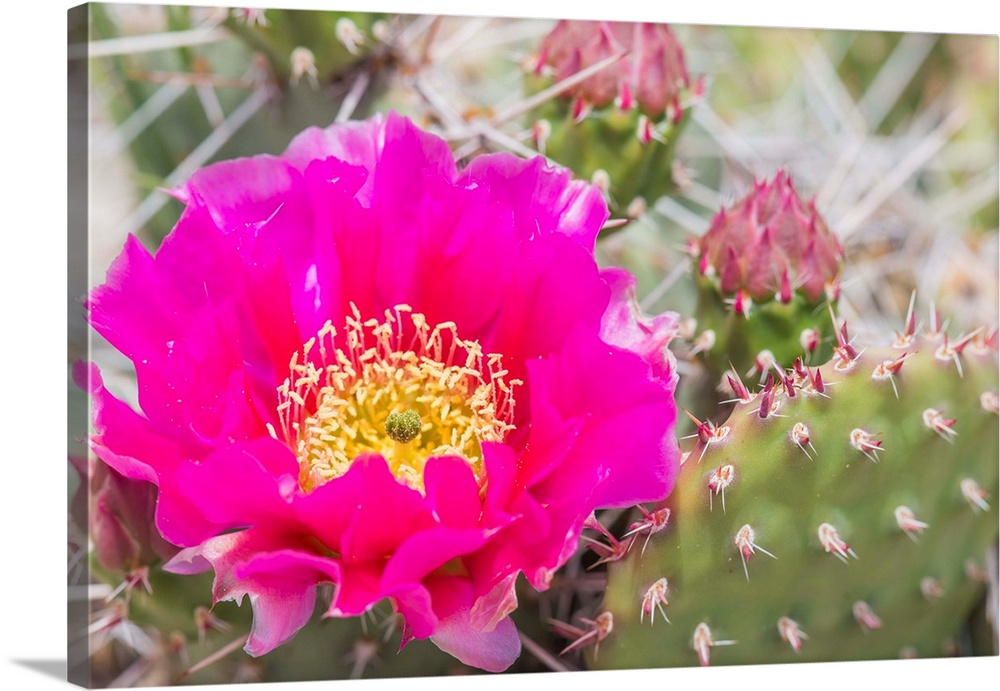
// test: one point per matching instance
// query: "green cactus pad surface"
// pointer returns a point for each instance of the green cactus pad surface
(879, 539)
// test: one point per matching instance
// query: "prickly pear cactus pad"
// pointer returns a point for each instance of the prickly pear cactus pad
(842, 512)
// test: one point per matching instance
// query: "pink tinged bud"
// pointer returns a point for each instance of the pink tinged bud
(763, 266)
(785, 236)
(703, 641)
(809, 340)
(645, 131)
(745, 543)
(742, 304)
(731, 276)
(739, 388)
(650, 74)
(674, 111)
(802, 437)
(705, 268)
(654, 597)
(718, 481)
(866, 443)
(767, 398)
(581, 109)
(790, 632)
(908, 523)
(832, 543)
(625, 101)
(865, 617)
(785, 292)
(935, 420)
(990, 402)
(931, 588)
(974, 494)
(817, 382)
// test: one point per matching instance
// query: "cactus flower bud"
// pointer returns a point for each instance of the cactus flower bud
(121, 519)
(770, 238)
(652, 74)
(774, 251)
(623, 118)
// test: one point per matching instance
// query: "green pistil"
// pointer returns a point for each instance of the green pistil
(403, 427)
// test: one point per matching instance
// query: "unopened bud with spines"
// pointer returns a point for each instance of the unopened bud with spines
(624, 118)
(774, 251)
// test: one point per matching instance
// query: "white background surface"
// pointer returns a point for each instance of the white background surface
(32, 337)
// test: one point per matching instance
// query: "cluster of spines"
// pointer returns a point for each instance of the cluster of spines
(772, 401)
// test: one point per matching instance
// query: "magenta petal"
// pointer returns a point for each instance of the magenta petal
(280, 582)
(386, 513)
(282, 590)
(452, 491)
(556, 287)
(544, 199)
(360, 588)
(625, 326)
(626, 453)
(429, 550)
(354, 142)
(490, 609)
(415, 605)
(493, 650)
(251, 483)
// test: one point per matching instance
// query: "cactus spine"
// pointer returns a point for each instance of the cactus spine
(840, 513)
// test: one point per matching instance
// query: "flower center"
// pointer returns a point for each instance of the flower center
(399, 388)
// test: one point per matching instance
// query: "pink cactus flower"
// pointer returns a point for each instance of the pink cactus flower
(360, 365)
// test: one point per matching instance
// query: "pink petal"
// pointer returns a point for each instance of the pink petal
(544, 199)
(280, 582)
(625, 326)
(493, 650)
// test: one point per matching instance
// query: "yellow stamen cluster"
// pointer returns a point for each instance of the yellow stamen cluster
(343, 388)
